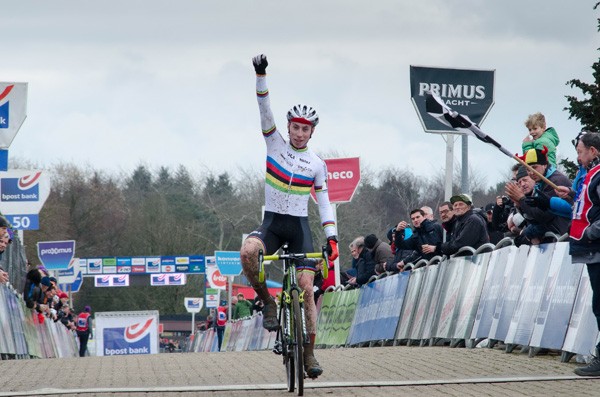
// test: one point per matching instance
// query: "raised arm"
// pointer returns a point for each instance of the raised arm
(267, 121)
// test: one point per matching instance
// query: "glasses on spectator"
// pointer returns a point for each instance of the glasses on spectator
(444, 211)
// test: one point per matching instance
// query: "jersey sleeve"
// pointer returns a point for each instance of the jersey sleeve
(267, 122)
(325, 210)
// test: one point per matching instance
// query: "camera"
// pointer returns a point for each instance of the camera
(505, 200)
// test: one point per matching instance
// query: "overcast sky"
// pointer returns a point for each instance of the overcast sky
(116, 84)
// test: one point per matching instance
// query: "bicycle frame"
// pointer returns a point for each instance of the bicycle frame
(289, 339)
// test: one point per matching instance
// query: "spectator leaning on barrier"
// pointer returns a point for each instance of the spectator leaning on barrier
(427, 236)
(470, 229)
(543, 209)
(401, 256)
(365, 266)
(584, 235)
(380, 251)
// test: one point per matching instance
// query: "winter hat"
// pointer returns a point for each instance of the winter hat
(370, 241)
(4, 222)
(63, 295)
(87, 309)
(535, 156)
(521, 173)
(465, 198)
(46, 281)
(489, 207)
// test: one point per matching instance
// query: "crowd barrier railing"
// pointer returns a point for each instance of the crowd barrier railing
(22, 335)
(528, 296)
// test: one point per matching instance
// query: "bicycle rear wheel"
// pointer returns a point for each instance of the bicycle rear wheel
(298, 333)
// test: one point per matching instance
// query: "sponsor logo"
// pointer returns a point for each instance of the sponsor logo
(138, 269)
(454, 94)
(177, 279)
(158, 279)
(123, 269)
(121, 281)
(193, 303)
(4, 106)
(134, 339)
(153, 265)
(26, 188)
(103, 281)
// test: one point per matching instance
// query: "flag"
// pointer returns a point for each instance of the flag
(436, 108)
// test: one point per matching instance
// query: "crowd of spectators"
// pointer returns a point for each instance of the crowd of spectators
(529, 212)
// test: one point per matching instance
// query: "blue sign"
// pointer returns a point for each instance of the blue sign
(24, 222)
(16, 189)
(130, 340)
(75, 287)
(197, 264)
(4, 115)
(56, 255)
(228, 262)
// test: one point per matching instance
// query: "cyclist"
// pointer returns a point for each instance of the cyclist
(292, 169)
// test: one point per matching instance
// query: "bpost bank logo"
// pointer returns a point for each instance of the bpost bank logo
(4, 104)
(134, 339)
(26, 188)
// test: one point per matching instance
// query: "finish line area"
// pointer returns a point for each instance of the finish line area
(392, 370)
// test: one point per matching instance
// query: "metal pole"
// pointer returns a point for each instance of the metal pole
(193, 321)
(449, 166)
(229, 297)
(464, 177)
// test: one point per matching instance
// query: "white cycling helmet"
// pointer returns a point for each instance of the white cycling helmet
(303, 114)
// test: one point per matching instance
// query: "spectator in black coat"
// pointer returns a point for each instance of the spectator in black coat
(427, 236)
(470, 229)
(365, 266)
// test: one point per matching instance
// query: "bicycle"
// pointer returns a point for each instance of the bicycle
(291, 335)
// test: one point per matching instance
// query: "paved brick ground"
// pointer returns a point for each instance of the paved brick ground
(397, 371)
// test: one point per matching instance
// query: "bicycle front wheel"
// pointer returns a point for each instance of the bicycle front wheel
(298, 332)
(286, 332)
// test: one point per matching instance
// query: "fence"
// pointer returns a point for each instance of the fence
(532, 297)
(22, 335)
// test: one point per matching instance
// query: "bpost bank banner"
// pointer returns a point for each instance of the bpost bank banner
(469, 92)
(56, 255)
(13, 111)
(123, 333)
(22, 196)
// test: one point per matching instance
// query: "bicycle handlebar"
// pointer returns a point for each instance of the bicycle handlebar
(310, 255)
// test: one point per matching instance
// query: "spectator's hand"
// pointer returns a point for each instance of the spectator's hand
(260, 64)
(332, 248)
(3, 277)
(428, 248)
(527, 138)
(563, 191)
(402, 225)
(352, 280)
(514, 192)
(400, 265)
(499, 201)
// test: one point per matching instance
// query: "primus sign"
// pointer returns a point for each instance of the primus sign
(469, 92)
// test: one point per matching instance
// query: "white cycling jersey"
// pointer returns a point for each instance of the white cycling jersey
(291, 172)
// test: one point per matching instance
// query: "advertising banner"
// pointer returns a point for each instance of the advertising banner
(343, 177)
(410, 303)
(449, 298)
(193, 305)
(511, 287)
(583, 329)
(475, 271)
(213, 275)
(13, 110)
(424, 301)
(124, 333)
(430, 314)
(229, 263)
(467, 91)
(111, 280)
(56, 255)
(500, 261)
(558, 298)
(534, 278)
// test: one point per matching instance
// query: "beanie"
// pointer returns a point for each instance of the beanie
(521, 173)
(46, 281)
(370, 241)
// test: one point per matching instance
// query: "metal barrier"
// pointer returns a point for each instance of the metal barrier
(22, 335)
(532, 297)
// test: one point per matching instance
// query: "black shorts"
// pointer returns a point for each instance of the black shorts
(278, 229)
